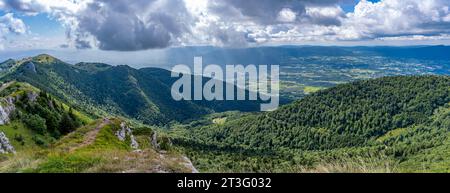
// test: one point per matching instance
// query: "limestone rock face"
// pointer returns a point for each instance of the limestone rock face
(154, 141)
(125, 131)
(134, 143)
(188, 164)
(5, 146)
(29, 66)
(122, 133)
(6, 108)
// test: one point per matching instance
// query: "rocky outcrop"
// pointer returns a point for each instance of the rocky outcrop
(6, 108)
(125, 131)
(4, 116)
(189, 165)
(134, 144)
(30, 67)
(5, 146)
(32, 96)
(154, 141)
(122, 132)
(160, 143)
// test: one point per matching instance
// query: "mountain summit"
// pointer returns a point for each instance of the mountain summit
(45, 59)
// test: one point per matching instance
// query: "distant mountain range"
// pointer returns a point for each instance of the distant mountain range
(100, 89)
(253, 55)
(281, 54)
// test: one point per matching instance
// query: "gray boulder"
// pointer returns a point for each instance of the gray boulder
(5, 145)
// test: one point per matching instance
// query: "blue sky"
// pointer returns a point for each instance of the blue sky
(349, 6)
(42, 24)
(141, 25)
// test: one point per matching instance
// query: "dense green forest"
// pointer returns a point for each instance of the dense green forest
(391, 118)
(347, 115)
(418, 148)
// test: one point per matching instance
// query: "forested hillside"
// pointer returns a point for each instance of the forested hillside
(31, 118)
(347, 115)
(390, 118)
(101, 89)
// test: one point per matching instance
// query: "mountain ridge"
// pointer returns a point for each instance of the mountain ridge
(142, 94)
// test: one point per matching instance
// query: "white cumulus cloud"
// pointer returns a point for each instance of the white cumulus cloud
(10, 25)
(147, 24)
(399, 18)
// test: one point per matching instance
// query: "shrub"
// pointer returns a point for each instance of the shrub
(143, 131)
(36, 123)
(164, 143)
(39, 141)
(19, 138)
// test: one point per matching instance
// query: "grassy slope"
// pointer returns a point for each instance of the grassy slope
(16, 129)
(94, 148)
(91, 148)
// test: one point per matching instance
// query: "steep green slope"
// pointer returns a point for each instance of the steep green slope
(391, 124)
(345, 116)
(33, 119)
(101, 89)
(426, 147)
